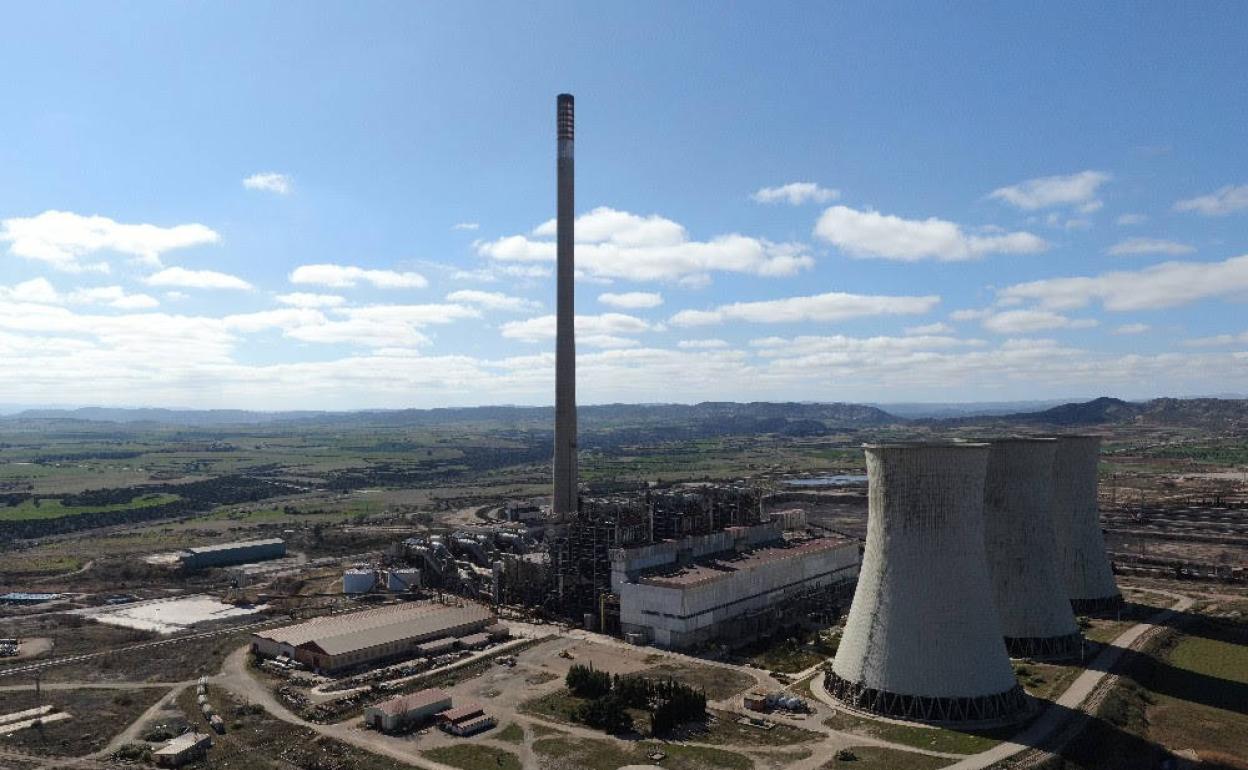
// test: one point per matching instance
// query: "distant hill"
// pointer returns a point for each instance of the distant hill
(1208, 413)
(748, 417)
(681, 421)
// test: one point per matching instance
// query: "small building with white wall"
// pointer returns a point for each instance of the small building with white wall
(406, 710)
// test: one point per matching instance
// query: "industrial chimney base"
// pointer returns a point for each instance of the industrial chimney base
(1008, 706)
(1105, 605)
(1045, 647)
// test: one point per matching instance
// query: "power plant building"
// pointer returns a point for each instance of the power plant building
(731, 585)
(339, 642)
(1021, 549)
(922, 640)
(1081, 552)
(228, 554)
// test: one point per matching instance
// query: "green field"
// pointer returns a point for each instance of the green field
(49, 508)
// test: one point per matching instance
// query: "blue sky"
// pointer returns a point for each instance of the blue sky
(342, 205)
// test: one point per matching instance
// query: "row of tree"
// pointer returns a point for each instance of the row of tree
(609, 698)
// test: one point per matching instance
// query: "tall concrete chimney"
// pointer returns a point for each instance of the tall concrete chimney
(565, 325)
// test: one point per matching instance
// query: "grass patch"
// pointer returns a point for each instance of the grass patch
(697, 756)
(718, 683)
(559, 706)
(724, 728)
(791, 654)
(592, 754)
(98, 715)
(1046, 680)
(933, 738)
(474, 757)
(541, 730)
(51, 508)
(879, 758)
(512, 733)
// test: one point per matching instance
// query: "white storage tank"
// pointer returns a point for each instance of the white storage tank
(358, 581)
(403, 580)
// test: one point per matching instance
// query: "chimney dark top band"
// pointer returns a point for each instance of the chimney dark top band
(564, 119)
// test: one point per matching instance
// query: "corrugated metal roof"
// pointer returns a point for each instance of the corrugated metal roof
(712, 569)
(358, 631)
(239, 544)
(417, 700)
(460, 713)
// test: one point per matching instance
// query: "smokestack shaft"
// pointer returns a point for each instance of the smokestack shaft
(565, 332)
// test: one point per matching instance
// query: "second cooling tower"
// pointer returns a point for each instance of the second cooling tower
(922, 640)
(1081, 553)
(1021, 550)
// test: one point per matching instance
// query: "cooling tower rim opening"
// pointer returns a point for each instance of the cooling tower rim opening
(918, 445)
(1085, 436)
(1010, 440)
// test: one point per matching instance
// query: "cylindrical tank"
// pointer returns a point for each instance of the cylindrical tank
(1021, 549)
(358, 581)
(1076, 523)
(922, 640)
(401, 580)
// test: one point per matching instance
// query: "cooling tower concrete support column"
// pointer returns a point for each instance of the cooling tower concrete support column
(1021, 550)
(922, 640)
(564, 503)
(1077, 524)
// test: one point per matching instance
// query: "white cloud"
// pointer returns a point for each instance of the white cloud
(1049, 191)
(1169, 284)
(38, 290)
(466, 226)
(871, 234)
(1136, 328)
(607, 330)
(796, 193)
(969, 314)
(347, 276)
(1131, 219)
(1132, 246)
(1218, 340)
(62, 238)
(632, 300)
(1028, 321)
(1223, 201)
(196, 279)
(706, 344)
(492, 300)
(306, 299)
(497, 272)
(269, 181)
(833, 306)
(619, 244)
(376, 326)
(929, 329)
(113, 296)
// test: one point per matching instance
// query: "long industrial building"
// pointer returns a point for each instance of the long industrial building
(728, 586)
(922, 640)
(1081, 552)
(1021, 548)
(226, 554)
(364, 638)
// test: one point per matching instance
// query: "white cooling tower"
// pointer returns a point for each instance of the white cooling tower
(1021, 549)
(1076, 523)
(922, 640)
